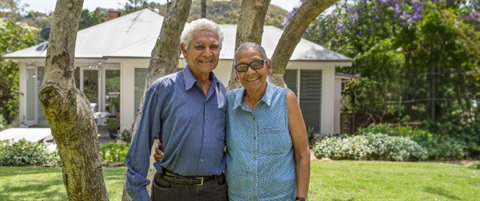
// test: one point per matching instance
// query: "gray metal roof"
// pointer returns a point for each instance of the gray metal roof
(134, 36)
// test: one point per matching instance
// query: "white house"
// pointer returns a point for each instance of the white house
(112, 58)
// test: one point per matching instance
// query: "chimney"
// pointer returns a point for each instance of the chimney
(112, 14)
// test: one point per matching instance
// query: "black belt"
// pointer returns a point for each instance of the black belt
(185, 180)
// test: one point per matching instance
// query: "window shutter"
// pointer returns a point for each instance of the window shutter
(311, 97)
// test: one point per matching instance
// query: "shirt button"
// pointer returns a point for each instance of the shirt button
(255, 178)
(205, 141)
(254, 158)
(201, 160)
(254, 138)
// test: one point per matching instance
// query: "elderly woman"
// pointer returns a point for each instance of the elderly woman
(267, 149)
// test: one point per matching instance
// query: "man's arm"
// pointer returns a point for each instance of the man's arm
(138, 156)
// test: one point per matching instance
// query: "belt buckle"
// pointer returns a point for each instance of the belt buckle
(201, 181)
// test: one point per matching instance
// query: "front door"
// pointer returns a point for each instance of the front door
(90, 85)
(101, 85)
(112, 92)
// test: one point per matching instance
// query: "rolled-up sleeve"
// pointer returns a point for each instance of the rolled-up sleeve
(138, 156)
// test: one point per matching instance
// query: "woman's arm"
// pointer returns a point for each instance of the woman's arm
(298, 133)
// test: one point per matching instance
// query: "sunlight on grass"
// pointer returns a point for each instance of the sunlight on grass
(330, 180)
(37, 183)
(365, 180)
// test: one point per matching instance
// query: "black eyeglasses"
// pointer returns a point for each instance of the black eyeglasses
(254, 65)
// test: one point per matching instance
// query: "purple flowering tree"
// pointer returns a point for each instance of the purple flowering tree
(418, 61)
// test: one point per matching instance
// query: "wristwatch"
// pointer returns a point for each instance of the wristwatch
(300, 199)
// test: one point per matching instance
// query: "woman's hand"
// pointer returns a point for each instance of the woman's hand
(158, 153)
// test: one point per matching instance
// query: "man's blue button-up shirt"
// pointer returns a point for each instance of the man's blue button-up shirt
(190, 125)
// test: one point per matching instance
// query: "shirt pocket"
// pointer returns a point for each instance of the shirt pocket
(275, 141)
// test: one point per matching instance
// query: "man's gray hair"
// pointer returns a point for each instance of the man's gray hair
(198, 25)
(249, 45)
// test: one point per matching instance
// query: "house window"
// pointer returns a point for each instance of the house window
(112, 91)
(140, 78)
(290, 78)
(310, 96)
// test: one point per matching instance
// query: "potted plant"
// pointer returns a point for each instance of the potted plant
(125, 136)
(113, 125)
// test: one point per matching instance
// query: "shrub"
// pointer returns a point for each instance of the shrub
(476, 166)
(370, 146)
(311, 136)
(24, 153)
(444, 148)
(395, 148)
(113, 152)
(3, 123)
(439, 147)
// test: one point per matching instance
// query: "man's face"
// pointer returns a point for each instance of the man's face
(253, 79)
(203, 53)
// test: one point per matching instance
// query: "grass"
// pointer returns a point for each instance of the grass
(46, 184)
(368, 180)
(330, 180)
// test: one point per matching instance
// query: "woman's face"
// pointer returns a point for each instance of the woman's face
(253, 79)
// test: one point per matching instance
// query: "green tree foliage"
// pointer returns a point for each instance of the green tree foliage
(89, 19)
(416, 61)
(9, 10)
(222, 12)
(13, 36)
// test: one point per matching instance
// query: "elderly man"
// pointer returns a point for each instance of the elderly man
(186, 111)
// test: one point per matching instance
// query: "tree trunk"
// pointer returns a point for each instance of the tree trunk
(164, 60)
(67, 109)
(203, 6)
(249, 29)
(292, 34)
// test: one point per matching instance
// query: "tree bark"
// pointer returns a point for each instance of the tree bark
(292, 34)
(203, 6)
(67, 109)
(164, 60)
(249, 29)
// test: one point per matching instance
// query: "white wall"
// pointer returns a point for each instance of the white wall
(22, 113)
(338, 100)
(127, 95)
(328, 100)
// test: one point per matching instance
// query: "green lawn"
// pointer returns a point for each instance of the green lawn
(335, 180)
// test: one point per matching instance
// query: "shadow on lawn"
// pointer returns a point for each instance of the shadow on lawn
(441, 192)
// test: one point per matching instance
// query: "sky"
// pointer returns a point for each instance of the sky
(47, 6)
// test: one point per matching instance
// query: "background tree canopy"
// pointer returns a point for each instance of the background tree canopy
(221, 12)
(416, 62)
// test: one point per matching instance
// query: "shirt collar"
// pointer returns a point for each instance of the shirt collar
(267, 97)
(190, 80)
